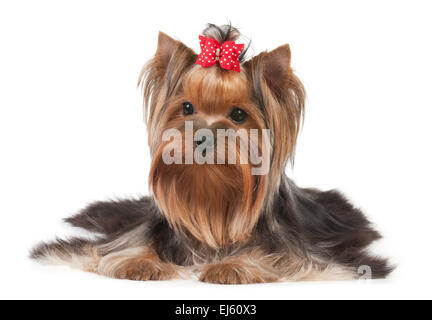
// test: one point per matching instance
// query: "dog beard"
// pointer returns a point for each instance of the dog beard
(217, 204)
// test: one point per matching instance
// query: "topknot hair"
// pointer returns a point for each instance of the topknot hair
(225, 33)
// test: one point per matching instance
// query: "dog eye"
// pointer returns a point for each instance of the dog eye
(188, 108)
(238, 115)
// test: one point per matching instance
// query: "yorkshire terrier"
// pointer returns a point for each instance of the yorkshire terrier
(226, 214)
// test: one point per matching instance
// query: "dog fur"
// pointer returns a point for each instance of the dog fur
(219, 222)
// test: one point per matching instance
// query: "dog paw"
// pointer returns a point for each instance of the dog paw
(145, 270)
(232, 273)
(136, 265)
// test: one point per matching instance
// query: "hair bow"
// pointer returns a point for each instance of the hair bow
(227, 54)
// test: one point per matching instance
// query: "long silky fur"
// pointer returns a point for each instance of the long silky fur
(301, 224)
(297, 233)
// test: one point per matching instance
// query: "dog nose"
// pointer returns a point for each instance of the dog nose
(199, 142)
(204, 142)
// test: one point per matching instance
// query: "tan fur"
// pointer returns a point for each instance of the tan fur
(229, 215)
(250, 266)
(136, 264)
(284, 97)
(87, 260)
(242, 269)
(214, 209)
(257, 267)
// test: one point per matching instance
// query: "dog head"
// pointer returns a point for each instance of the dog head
(219, 138)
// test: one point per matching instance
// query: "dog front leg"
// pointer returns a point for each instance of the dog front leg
(140, 263)
(255, 267)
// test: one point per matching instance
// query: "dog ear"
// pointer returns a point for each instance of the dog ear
(163, 74)
(165, 49)
(277, 68)
(274, 68)
(171, 60)
(280, 95)
(168, 50)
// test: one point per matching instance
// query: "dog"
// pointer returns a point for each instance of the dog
(239, 222)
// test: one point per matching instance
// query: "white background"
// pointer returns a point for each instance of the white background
(71, 127)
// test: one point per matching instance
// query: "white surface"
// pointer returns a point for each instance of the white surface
(71, 127)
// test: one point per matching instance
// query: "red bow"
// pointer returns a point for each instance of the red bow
(226, 54)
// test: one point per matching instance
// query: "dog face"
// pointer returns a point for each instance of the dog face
(217, 114)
